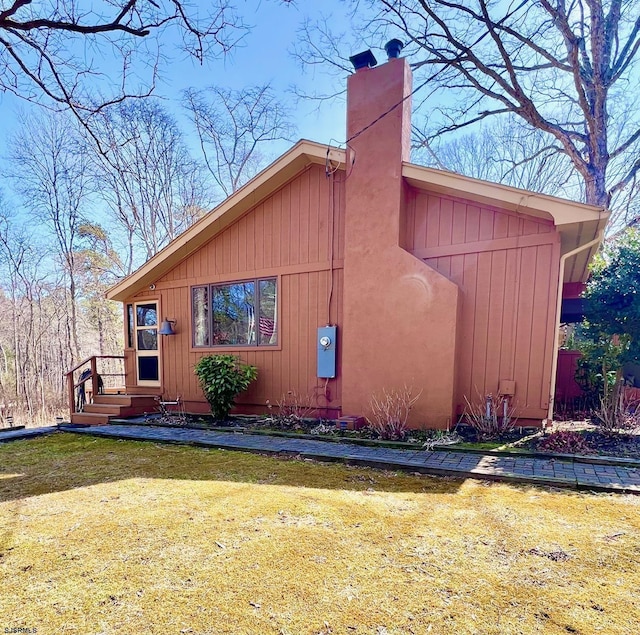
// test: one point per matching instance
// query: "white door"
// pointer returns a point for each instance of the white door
(147, 343)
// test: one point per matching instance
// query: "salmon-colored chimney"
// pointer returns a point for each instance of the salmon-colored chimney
(397, 310)
(379, 109)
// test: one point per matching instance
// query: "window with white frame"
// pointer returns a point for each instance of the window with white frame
(240, 313)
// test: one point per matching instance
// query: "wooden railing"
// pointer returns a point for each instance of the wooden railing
(93, 377)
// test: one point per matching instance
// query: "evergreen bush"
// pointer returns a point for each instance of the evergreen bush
(222, 378)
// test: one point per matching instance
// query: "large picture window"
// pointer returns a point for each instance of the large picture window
(235, 314)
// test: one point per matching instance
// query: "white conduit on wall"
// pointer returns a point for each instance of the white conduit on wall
(556, 343)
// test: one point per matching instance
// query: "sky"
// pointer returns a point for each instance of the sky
(263, 56)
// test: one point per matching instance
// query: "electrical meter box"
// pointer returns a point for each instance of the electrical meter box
(326, 341)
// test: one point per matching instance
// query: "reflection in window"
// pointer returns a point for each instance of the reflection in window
(146, 314)
(148, 340)
(130, 326)
(200, 304)
(241, 314)
(233, 314)
(267, 327)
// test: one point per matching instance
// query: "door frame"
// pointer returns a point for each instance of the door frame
(157, 352)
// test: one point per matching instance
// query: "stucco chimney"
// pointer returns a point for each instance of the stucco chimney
(379, 109)
(397, 310)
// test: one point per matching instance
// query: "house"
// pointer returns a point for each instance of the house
(343, 273)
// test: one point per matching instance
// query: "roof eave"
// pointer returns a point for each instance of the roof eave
(561, 211)
(577, 223)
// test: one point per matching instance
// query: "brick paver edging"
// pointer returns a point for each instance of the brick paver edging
(558, 473)
(401, 445)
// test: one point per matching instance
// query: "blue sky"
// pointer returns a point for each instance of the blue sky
(263, 56)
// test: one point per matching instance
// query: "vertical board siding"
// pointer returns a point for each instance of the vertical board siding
(290, 228)
(508, 295)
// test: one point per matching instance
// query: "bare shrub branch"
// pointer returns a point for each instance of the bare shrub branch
(390, 411)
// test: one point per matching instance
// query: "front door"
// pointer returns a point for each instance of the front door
(147, 343)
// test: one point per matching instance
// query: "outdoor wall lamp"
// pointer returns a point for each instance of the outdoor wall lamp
(166, 328)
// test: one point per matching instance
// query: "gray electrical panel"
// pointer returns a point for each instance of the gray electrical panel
(327, 351)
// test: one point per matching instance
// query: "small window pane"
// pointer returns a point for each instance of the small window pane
(148, 368)
(268, 331)
(233, 314)
(200, 312)
(148, 340)
(130, 326)
(147, 315)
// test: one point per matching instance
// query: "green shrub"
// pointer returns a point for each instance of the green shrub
(222, 378)
(565, 442)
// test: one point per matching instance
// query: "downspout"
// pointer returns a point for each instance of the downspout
(556, 343)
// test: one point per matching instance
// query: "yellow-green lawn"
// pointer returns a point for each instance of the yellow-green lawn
(102, 536)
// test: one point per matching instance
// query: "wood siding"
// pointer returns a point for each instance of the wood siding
(567, 388)
(287, 235)
(506, 265)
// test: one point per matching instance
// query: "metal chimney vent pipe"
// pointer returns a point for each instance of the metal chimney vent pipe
(393, 48)
(366, 59)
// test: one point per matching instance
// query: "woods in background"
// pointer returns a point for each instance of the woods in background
(76, 215)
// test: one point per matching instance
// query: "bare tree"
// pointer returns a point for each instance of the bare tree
(55, 53)
(567, 69)
(152, 185)
(50, 171)
(503, 151)
(233, 126)
(23, 284)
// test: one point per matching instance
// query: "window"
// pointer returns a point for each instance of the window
(130, 326)
(235, 314)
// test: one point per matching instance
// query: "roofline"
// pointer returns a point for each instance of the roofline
(568, 216)
(562, 211)
(282, 170)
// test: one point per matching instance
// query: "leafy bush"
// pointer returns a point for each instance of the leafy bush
(611, 328)
(598, 368)
(389, 413)
(611, 301)
(565, 442)
(222, 378)
(491, 417)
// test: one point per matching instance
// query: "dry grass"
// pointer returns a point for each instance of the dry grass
(101, 536)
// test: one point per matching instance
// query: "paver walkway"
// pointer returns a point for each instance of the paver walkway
(25, 433)
(598, 475)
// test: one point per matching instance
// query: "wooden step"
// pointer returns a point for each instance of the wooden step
(139, 401)
(92, 418)
(104, 408)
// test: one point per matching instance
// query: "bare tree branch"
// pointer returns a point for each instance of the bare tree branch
(43, 48)
(566, 68)
(152, 186)
(232, 127)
